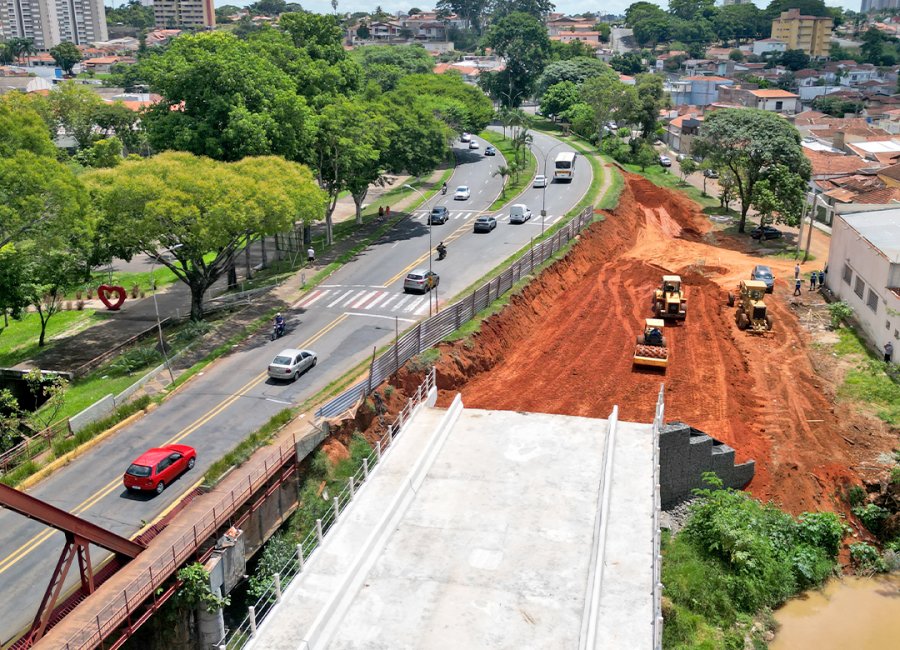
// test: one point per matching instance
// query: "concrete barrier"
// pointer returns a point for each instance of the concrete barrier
(96, 411)
(318, 633)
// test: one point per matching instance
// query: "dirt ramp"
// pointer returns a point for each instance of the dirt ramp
(564, 345)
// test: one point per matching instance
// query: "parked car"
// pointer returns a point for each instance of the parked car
(540, 181)
(490, 151)
(465, 137)
(763, 273)
(710, 173)
(421, 280)
(474, 144)
(485, 224)
(156, 468)
(519, 213)
(291, 363)
(765, 232)
(665, 161)
(462, 193)
(439, 214)
(681, 157)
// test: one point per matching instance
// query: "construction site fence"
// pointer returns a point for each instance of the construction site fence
(434, 329)
(658, 421)
(127, 602)
(32, 446)
(239, 636)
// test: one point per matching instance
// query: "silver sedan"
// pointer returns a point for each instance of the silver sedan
(291, 363)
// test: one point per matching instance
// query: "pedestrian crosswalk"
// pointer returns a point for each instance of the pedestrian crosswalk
(464, 215)
(365, 299)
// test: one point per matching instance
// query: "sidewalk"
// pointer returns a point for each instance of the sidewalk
(139, 316)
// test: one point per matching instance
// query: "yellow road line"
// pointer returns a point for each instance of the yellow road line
(456, 234)
(43, 536)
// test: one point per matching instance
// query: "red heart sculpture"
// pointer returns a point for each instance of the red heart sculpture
(104, 291)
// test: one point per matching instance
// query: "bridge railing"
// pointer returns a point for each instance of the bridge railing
(658, 421)
(434, 329)
(239, 636)
(123, 605)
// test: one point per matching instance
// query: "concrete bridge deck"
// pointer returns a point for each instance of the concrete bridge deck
(482, 529)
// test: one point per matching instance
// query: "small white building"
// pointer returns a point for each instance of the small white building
(765, 45)
(864, 270)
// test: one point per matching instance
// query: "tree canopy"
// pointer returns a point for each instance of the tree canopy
(521, 39)
(200, 211)
(754, 145)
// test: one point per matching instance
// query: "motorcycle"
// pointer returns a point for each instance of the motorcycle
(277, 331)
(442, 252)
(444, 190)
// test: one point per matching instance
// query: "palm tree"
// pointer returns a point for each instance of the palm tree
(522, 140)
(503, 171)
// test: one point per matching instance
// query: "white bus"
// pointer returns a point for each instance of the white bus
(564, 169)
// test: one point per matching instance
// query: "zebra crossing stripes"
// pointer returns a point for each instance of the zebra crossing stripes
(549, 220)
(366, 299)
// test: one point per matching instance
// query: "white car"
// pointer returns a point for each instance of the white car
(291, 363)
(474, 144)
(465, 137)
(462, 193)
(540, 181)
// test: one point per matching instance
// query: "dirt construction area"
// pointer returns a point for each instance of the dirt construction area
(564, 345)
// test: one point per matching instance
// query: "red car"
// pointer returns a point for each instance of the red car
(156, 468)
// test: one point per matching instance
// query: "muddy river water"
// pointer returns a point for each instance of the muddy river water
(858, 613)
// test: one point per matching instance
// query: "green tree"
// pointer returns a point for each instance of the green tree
(106, 152)
(75, 108)
(779, 196)
(318, 34)
(650, 99)
(460, 106)
(692, 9)
(836, 106)
(66, 55)
(645, 155)
(22, 129)
(604, 29)
(739, 22)
(199, 211)
(268, 7)
(629, 63)
(386, 64)
(521, 39)
(610, 99)
(559, 98)
(576, 70)
(474, 11)
(750, 143)
(223, 13)
(560, 51)
(134, 14)
(688, 167)
(119, 121)
(225, 100)
(363, 31)
(537, 8)
(794, 59)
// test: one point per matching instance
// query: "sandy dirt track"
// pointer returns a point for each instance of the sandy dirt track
(565, 344)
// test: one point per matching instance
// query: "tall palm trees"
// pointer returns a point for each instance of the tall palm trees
(21, 46)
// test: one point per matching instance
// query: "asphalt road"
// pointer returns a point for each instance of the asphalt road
(341, 320)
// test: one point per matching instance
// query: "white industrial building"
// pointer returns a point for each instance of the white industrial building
(864, 270)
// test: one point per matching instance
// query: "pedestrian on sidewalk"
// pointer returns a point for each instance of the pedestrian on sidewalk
(380, 211)
(387, 212)
(310, 255)
(812, 280)
(888, 351)
(821, 279)
(796, 270)
(797, 284)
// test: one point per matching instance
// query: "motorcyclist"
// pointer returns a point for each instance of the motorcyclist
(444, 188)
(442, 251)
(279, 324)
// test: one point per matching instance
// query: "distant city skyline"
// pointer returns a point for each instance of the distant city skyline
(563, 6)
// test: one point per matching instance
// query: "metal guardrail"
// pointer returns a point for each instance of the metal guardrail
(657, 555)
(128, 601)
(36, 444)
(434, 329)
(237, 638)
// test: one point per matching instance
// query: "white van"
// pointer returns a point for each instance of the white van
(519, 213)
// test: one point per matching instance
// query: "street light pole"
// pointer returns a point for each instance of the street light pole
(425, 200)
(544, 190)
(162, 343)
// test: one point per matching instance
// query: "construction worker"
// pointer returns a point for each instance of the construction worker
(812, 280)
(798, 283)
(796, 270)
(888, 351)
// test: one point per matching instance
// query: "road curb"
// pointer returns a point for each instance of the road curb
(524, 189)
(66, 458)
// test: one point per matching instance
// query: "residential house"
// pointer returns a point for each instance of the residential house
(768, 45)
(559, 26)
(774, 100)
(864, 271)
(812, 34)
(385, 31)
(681, 131)
(160, 37)
(697, 90)
(718, 53)
(591, 39)
(663, 58)
(104, 64)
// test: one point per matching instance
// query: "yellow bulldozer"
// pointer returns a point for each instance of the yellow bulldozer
(751, 314)
(651, 349)
(669, 301)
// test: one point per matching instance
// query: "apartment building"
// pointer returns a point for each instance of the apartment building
(812, 34)
(194, 14)
(50, 22)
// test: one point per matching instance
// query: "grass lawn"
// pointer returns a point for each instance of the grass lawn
(161, 274)
(513, 184)
(89, 389)
(868, 382)
(19, 341)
